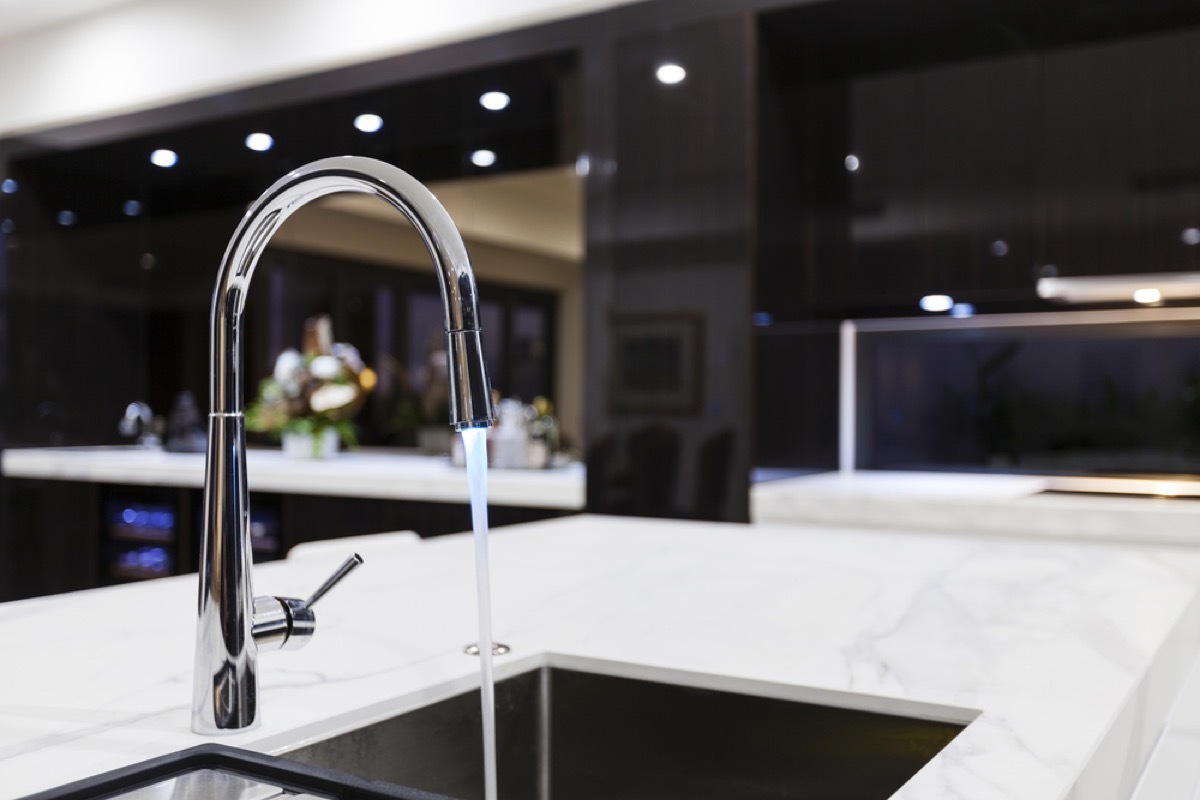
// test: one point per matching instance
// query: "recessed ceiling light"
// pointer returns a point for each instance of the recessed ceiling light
(9, 186)
(483, 158)
(132, 208)
(937, 302)
(368, 123)
(164, 158)
(494, 101)
(1190, 236)
(66, 218)
(670, 73)
(852, 163)
(260, 142)
(1147, 296)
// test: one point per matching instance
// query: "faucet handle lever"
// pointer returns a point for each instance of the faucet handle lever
(288, 623)
(349, 565)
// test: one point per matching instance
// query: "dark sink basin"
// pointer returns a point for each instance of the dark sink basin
(567, 735)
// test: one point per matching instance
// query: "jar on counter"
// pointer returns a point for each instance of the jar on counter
(509, 439)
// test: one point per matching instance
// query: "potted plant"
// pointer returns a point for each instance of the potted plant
(312, 396)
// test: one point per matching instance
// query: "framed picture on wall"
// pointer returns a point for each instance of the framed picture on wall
(656, 363)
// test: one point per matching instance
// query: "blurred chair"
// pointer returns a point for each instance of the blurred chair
(653, 471)
(607, 490)
(712, 476)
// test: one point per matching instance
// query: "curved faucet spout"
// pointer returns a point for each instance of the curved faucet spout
(470, 394)
(225, 681)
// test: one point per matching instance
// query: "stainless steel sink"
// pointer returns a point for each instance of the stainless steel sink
(571, 735)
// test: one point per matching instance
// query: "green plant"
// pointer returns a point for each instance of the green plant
(312, 392)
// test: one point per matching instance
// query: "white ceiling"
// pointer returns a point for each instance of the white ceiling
(22, 16)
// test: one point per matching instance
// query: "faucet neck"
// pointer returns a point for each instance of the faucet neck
(225, 678)
(295, 190)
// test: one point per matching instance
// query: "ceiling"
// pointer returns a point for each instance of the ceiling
(18, 17)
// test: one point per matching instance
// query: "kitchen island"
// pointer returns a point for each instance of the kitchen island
(1062, 658)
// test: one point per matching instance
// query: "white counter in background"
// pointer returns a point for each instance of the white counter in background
(1065, 655)
(367, 474)
(979, 503)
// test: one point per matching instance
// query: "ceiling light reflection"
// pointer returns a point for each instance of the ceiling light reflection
(937, 302)
(1147, 296)
(494, 101)
(670, 73)
(9, 186)
(999, 248)
(1190, 236)
(368, 123)
(66, 218)
(483, 158)
(852, 163)
(132, 208)
(164, 158)
(260, 142)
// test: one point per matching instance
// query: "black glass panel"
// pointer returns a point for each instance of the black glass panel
(1113, 400)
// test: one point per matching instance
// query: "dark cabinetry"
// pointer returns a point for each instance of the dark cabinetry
(51, 537)
(924, 148)
(938, 148)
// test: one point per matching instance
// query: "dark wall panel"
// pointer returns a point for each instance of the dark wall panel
(669, 266)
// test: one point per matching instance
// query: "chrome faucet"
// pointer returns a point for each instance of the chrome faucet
(233, 625)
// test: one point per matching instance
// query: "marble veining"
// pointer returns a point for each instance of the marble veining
(1062, 656)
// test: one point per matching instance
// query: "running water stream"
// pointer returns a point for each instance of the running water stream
(475, 448)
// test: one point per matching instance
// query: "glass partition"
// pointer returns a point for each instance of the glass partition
(1082, 393)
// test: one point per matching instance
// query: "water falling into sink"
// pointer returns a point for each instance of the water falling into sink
(475, 449)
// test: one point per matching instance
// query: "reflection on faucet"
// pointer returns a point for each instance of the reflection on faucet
(140, 421)
(232, 624)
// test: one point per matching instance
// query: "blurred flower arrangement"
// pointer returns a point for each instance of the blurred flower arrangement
(318, 388)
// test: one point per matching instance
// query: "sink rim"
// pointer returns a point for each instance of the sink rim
(283, 743)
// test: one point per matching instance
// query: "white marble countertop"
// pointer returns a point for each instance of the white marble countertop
(1078, 508)
(1065, 655)
(389, 475)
